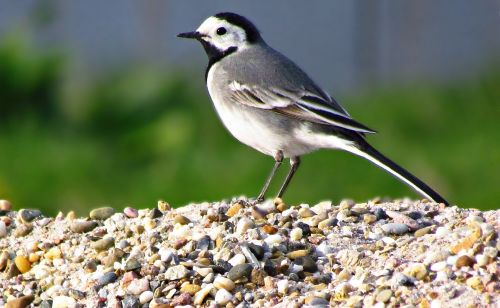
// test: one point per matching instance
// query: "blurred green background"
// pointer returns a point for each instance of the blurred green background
(136, 134)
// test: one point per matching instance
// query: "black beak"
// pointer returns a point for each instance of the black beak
(191, 35)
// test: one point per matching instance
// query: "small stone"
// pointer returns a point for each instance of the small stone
(243, 225)
(346, 204)
(107, 278)
(5, 205)
(181, 300)
(384, 296)
(344, 275)
(369, 218)
(3, 229)
(240, 271)
(176, 272)
(163, 206)
(401, 279)
(132, 264)
(306, 212)
(22, 264)
(63, 302)
(257, 276)
(130, 212)
(308, 264)
(145, 297)
(297, 254)
(282, 286)
(23, 230)
(296, 234)
(4, 258)
(204, 271)
(21, 302)
(475, 283)
(102, 213)
(190, 288)
(423, 231)
(222, 297)
(269, 229)
(416, 270)
(138, 286)
(395, 228)
(481, 260)
(464, 261)
(200, 296)
(155, 213)
(53, 253)
(468, 241)
(380, 214)
(442, 231)
(257, 250)
(327, 223)
(82, 226)
(181, 220)
(237, 259)
(274, 239)
(76, 294)
(234, 209)
(130, 302)
(27, 216)
(224, 283)
(103, 244)
(205, 243)
(439, 266)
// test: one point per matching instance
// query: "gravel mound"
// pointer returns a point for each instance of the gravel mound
(233, 254)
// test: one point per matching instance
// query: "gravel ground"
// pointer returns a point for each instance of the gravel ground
(382, 254)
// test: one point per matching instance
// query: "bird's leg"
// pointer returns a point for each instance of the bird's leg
(295, 163)
(278, 158)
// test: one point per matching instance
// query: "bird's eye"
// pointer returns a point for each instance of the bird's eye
(221, 31)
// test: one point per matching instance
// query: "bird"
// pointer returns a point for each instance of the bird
(269, 103)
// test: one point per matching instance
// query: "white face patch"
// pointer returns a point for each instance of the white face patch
(234, 36)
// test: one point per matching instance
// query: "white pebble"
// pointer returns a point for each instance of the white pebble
(296, 234)
(237, 259)
(282, 286)
(224, 283)
(63, 302)
(3, 229)
(274, 239)
(222, 297)
(145, 297)
(200, 295)
(203, 271)
(441, 276)
(481, 260)
(442, 231)
(439, 266)
(243, 225)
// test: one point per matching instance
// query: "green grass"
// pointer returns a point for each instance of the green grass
(144, 137)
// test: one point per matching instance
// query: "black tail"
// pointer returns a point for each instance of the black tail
(370, 153)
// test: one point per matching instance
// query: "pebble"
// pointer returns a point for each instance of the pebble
(27, 216)
(63, 302)
(4, 258)
(102, 213)
(257, 276)
(145, 297)
(269, 229)
(181, 220)
(107, 278)
(327, 223)
(224, 283)
(130, 302)
(222, 297)
(464, 260)
(416, 270)
(243, 225)
(200, 296)
(237, 259)
(83, 226)
(395, 228)
(297, 254)
(308, 264)
(282, 286)
(296, 234)
(439, 266)
(22, 264)
(384, 296)
(103, 244)
(53, 253)
(130, 212)
(137, 286)
(369, 218)
(176, 272)
(190, 288)
(442, 231)
(257, 250)
(3, 229)
(240, 271)
(21, 302)
(5, 205)
(306, 212)
(423, 231)
(481, 260)
(234, 209)
(274, 239)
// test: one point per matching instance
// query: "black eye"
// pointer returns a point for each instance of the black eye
(221, 31)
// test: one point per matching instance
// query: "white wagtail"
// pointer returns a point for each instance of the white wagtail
(267, 102)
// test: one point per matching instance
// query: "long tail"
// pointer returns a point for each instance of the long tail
(367, 151)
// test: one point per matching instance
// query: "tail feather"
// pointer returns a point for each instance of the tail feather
(367, 151)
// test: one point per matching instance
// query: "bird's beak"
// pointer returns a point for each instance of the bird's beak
(191, 35)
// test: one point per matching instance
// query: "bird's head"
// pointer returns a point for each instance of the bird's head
(224, 33)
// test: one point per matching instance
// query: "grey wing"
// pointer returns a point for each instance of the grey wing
(302, 104)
